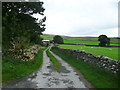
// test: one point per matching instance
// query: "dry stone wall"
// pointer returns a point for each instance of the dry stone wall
(98, 60)
(27, 54)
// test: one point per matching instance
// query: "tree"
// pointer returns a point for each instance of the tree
(18, 24)
(58, 39)
(104, 40)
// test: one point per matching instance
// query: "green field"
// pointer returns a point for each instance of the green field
(82, 40)
(87, 42)
(105, 51)
(111, 52)
(47, 37)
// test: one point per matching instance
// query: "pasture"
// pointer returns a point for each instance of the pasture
(47, 37)
(111, 52)
(89, 40)
(105, 51)
(82, 40)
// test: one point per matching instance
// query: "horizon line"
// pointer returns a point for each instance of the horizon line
(81, 35)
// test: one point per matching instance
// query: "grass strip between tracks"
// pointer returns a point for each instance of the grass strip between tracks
(54, 61)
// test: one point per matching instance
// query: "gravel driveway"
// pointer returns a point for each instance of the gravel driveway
(46, 77)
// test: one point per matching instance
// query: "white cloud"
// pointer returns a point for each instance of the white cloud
(81, 17)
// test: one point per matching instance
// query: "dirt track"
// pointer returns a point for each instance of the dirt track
(46, 77)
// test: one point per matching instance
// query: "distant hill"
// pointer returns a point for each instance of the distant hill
(116, 37)
(47, 36)
(50, 37)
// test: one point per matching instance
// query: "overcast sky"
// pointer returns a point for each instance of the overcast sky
(81, 17)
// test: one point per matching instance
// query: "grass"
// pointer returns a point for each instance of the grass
(82, 40)
(47, 37)
(14, 68)
(54, 61)
(98, 77)
(87, 42)
(105, 51)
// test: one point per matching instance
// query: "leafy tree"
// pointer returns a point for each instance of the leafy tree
(108, 42)
(18, 24)
(58, 39)
(104, 40)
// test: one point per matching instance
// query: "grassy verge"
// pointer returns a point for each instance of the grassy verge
(54, 61)
(14, 68)
(105, 51)
(98, 77)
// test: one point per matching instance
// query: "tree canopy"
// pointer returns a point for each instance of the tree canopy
(104, 40)
(19, 27)
(58, 39)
